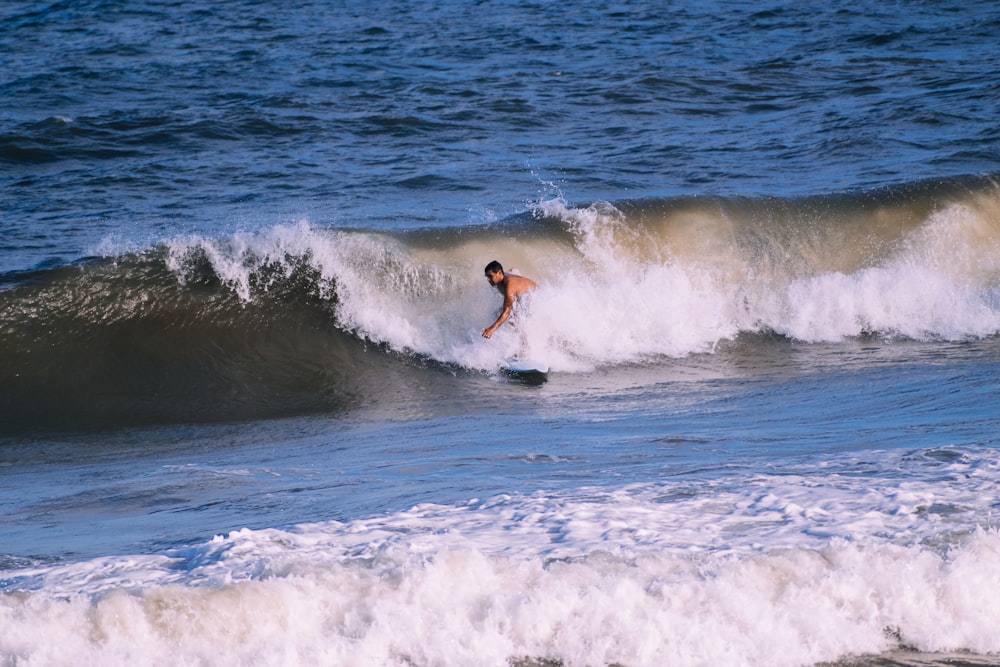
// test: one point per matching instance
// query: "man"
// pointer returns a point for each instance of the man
(512, 287)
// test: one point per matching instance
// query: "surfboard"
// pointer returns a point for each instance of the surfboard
(525, 368)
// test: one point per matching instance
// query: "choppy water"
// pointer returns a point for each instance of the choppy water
(246, 415)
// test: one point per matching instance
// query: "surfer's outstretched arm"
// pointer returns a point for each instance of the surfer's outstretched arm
(511, 286)
(508, 308)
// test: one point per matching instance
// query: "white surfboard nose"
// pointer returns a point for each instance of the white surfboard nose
(516, 365)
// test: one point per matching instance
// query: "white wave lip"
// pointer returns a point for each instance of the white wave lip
(759, 570)
(627, 289)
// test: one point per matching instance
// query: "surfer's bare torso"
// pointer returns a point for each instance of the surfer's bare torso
(512, 287)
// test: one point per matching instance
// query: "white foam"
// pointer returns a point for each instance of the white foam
(757, 570)
(640, 295)
(458, 606)
(941, 283)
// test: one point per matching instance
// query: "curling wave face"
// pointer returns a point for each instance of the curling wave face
(298, 318)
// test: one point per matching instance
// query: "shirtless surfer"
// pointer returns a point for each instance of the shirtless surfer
(512, 287)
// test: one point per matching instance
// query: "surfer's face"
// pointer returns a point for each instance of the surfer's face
(493, 278)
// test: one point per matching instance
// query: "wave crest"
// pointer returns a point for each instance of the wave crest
(298, 317)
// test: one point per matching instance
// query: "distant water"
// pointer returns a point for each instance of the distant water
(247, 416)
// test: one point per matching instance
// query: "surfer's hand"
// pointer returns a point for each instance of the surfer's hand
(487, 333)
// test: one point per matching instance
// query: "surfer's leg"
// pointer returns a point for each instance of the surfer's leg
(524, 351)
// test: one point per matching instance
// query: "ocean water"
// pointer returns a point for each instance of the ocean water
(247, 416)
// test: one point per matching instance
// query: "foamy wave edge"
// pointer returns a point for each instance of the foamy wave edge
(784, 569)
(463, 607)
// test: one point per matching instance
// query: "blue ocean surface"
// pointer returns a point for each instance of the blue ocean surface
(247, 415)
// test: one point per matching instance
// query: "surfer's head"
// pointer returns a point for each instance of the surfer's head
(494, 272)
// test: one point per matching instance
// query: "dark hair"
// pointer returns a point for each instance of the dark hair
(494, 267)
